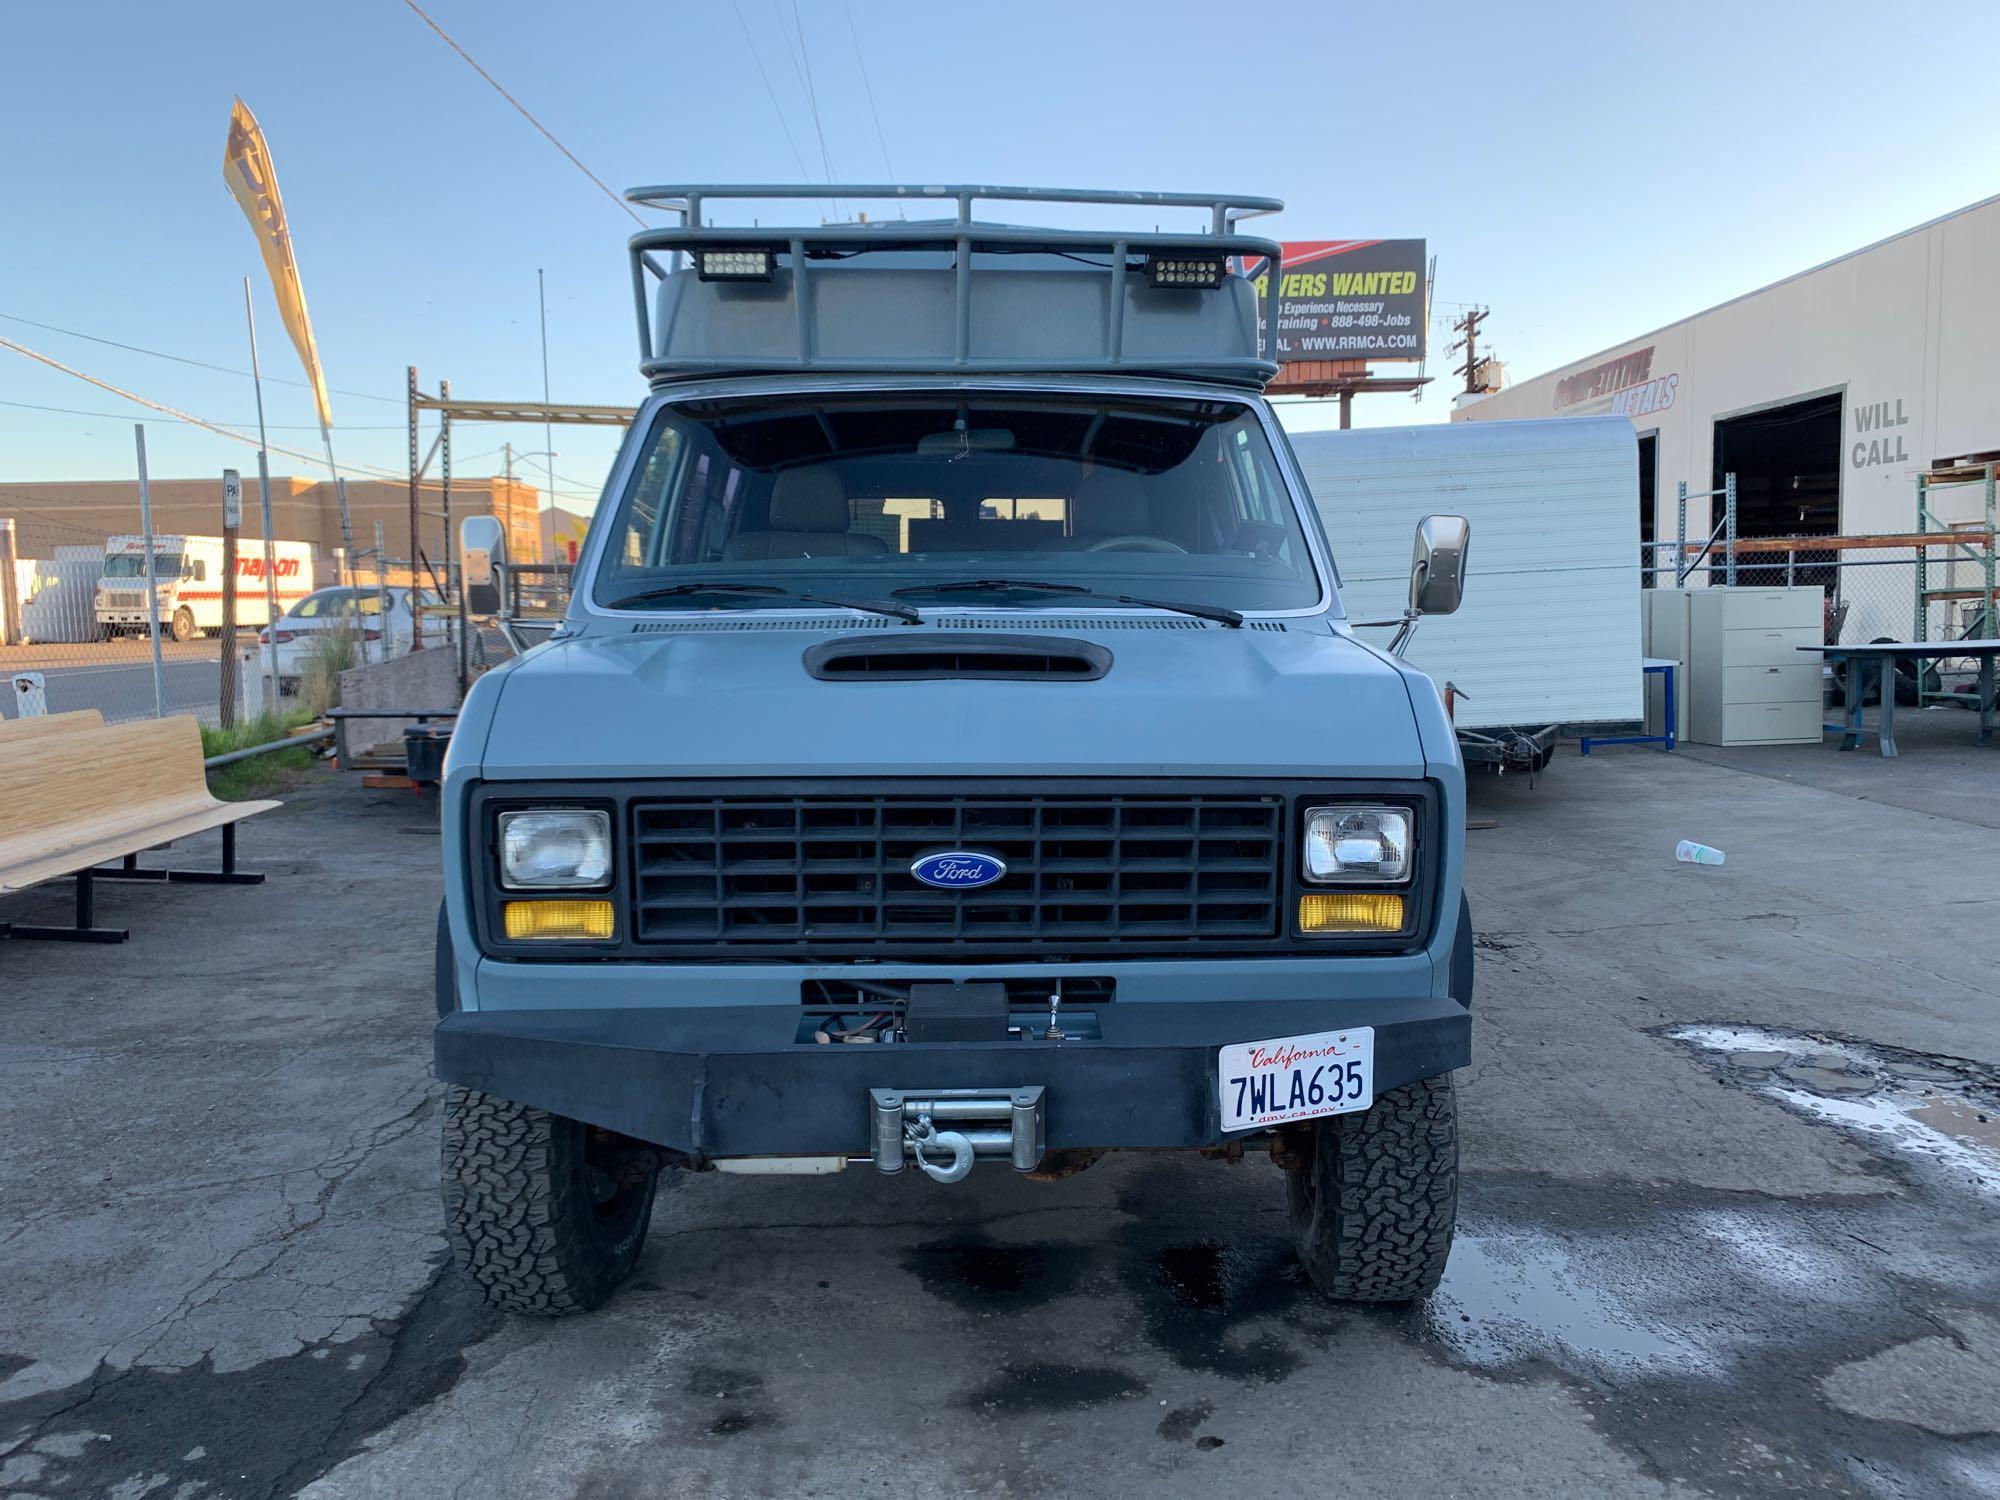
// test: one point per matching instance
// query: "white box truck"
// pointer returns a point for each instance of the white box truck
(1549, 639)
(189, 572)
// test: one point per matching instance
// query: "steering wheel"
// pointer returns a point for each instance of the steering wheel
(1135, 544)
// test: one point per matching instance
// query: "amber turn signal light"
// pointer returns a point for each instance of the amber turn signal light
(1350, 911)
(559, 919)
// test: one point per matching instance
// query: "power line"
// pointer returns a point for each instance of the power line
(868, 85)
(191, 420)
(799, 72)
(547, 134)
(121, 416)
(182, 359)
(812, 94)
(776, 108)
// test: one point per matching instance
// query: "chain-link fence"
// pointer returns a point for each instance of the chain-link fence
(1870, 593)
(75, 633)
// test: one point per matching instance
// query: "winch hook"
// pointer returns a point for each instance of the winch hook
(920, 1133)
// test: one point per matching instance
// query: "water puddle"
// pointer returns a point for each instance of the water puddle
(1508, 1297)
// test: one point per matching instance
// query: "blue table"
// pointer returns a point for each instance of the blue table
(1665, 669)
(1882, 655)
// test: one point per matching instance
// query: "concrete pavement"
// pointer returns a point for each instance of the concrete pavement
(1729, 1223)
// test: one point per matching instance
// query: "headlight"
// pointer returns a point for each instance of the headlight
(1357, 845)
(567, 849)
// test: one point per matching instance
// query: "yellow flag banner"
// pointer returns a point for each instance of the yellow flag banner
(246, 167)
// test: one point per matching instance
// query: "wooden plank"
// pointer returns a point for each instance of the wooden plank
(1887, 539)
(391, 783)
(28, 728)
(77, 798)
(129, 840)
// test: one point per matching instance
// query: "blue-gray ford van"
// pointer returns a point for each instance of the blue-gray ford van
(954, 759)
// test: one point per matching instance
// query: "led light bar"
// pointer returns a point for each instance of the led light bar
(734, 265)
(1198, 272)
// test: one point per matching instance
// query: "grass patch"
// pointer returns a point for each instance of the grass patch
(331, 653)
(261, 775)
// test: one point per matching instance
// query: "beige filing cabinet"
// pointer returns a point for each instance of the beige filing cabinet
(1747, 681)
(1742, 680)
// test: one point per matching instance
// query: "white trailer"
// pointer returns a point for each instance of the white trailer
(189, 572)
(1548, 635)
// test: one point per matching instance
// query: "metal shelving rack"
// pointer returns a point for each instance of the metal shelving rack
(1978, 546)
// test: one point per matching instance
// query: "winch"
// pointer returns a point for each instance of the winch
(944, 1131)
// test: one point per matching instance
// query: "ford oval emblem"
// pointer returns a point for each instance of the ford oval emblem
(958, 869)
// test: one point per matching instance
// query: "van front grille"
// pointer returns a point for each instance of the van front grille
(830, 874)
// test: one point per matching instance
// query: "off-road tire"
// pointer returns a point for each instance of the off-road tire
(519, 1209)
(1373, 1210)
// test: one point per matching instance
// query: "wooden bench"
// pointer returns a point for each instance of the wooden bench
(30, 727)
(70, 799)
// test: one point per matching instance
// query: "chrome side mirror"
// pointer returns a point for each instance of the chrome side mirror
(482, 563)
(1437, 565)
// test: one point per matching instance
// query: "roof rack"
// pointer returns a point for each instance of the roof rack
(950, 295)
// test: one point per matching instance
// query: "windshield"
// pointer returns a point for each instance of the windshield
(166, 565)
(1178, 501)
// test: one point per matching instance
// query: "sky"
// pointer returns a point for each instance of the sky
(1586, 171)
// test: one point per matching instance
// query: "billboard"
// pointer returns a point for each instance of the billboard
(1347, 299)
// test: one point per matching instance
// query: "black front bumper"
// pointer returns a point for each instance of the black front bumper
(733, 1081)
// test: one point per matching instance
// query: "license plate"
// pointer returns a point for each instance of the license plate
(1293, 1078)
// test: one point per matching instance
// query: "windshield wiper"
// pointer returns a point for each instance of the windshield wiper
(901, 612)
(1217, 612)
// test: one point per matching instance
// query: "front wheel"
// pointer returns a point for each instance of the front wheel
(546, 1213)
(1374, 1206)
(184, 625)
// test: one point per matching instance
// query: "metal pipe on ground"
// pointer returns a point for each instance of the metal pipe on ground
(296, 742)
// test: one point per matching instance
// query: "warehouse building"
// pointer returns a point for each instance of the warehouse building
(1826, 394)
(302, 510)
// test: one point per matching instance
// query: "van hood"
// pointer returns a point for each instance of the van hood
(737, 699)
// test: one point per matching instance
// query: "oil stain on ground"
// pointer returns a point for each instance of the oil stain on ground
(268, 1430)
(729, 1402)
(1043, 1387)
(1180, 1424)
(1199, 1299)
(979, 1273)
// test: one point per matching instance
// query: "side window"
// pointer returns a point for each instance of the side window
(649, 501)
(1263, 508)
(1254, 498)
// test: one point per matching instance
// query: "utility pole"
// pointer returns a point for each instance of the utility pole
(1468, 326)
(508, 523)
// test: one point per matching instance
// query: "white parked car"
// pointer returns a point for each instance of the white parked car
(358, 610)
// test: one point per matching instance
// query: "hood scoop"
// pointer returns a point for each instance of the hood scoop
(939, 655)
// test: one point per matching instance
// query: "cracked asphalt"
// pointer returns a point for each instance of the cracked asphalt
(1730, 1224)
